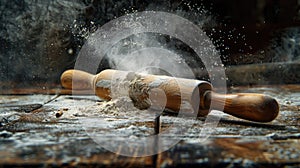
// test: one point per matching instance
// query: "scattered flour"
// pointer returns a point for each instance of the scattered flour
(120, 107)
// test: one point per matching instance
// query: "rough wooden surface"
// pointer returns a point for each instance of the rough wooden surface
(264, 74)
(45, 131)
(254, 74)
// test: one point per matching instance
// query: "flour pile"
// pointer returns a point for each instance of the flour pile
(121, 107)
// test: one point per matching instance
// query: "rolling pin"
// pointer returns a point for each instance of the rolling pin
(172, 93)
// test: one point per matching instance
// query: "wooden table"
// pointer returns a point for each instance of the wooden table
(45, 130)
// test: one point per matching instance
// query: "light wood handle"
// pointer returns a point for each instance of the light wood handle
(78, 80)
(249, 106)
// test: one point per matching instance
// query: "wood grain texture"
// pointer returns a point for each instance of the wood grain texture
(249, 106)
(62, 142)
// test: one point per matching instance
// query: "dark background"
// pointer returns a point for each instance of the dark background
(40, 39)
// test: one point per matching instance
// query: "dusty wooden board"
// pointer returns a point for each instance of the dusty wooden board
(264, 74)
(39, 138)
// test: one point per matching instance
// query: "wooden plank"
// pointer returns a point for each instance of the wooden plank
(280, 73)
(264, 74)
(43, 138)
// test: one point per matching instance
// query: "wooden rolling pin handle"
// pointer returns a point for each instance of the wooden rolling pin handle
(77, 80)
(249, 106)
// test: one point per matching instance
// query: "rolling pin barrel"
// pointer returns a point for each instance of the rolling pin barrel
(173, 93)
(143, 89)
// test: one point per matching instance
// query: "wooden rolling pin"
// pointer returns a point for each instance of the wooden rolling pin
(172, 93)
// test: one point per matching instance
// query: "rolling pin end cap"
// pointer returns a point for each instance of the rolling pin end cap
(272, 107)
